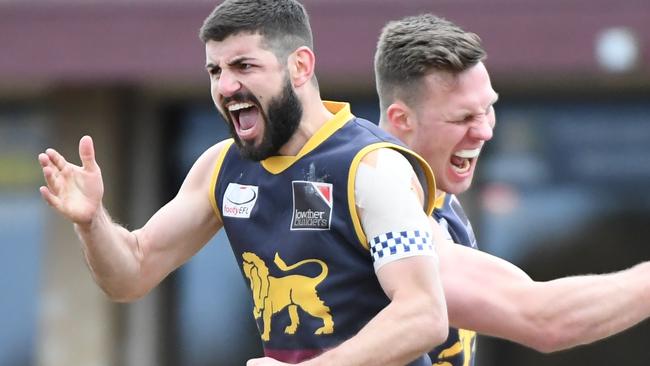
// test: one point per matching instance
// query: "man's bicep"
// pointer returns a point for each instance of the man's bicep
(175, 232)
(415, 275)
(477, 283)
(182, 226)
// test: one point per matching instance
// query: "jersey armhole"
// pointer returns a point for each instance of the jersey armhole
(215, 175)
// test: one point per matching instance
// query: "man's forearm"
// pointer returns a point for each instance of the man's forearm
(583, 309)
(397, 335)
(547, 316)
(112, 254)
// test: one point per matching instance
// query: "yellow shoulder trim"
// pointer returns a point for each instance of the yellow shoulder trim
(342, 114)
(440, 200)
(215, 175)
(430, 190)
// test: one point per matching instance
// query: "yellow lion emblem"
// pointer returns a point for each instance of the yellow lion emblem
(272, 294)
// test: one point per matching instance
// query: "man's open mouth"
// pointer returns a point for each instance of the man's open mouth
(244, 115)
(461, 160)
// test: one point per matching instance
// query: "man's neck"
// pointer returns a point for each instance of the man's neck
(314, 116)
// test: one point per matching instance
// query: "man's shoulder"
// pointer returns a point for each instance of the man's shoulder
(217, 149)
(211, 158)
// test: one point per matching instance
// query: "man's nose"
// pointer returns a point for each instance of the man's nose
(227, 84)
(483, 130)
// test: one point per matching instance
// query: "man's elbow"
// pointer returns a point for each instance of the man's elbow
(122, 298)
(438, 334)
(434, 328)
(122, 289)
(549, 338)
(425, 324)
(436, 320)
(546, 343)
(121, 294)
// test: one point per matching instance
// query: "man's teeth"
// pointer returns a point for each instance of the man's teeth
(468, 154)
(461, 159)
(238, 106)
(461, 169)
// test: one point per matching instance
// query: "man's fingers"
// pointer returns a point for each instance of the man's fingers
(87, 153)
(56, 159)
(47, 195)
(49, 173)
(44, 160)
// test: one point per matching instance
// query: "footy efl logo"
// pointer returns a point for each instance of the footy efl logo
(312, 205)
(239, 200)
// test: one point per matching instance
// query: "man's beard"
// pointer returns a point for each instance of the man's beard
(280, 123)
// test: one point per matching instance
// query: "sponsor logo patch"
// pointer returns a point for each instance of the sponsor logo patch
(312, 205)
(239, 200)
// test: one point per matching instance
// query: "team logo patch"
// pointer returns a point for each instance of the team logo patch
(239, 200)
(270, 293)
(312, 205)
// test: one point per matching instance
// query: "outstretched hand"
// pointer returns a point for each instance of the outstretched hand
(74, 191)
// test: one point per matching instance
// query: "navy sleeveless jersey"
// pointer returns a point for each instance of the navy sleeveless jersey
(460, 347)
(294, 230)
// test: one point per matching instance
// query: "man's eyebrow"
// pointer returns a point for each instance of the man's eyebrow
(238, 60)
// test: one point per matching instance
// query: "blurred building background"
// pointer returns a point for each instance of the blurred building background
(562, 189)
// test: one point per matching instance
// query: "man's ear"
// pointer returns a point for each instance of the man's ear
(301, 66)
(400, 116)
